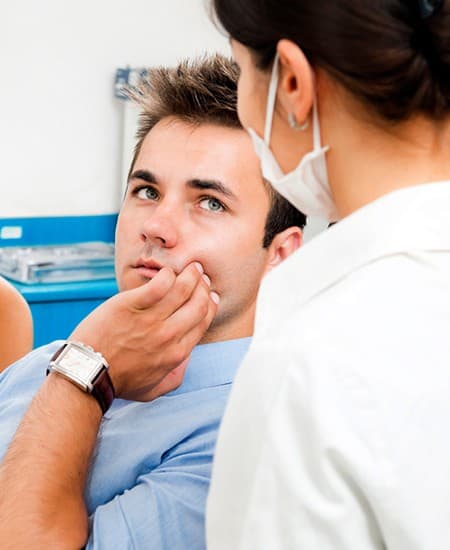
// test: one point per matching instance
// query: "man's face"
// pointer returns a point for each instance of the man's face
(196, 194)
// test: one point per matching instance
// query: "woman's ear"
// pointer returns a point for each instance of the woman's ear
(296, 90)
(283, 245)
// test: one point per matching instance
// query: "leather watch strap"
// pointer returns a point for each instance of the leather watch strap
(103, 390)
(57, 354)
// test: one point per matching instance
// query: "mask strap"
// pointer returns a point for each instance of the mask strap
(271, 96)
(317, 139)
(317, 142)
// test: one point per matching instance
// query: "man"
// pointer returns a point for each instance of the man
(197, 223)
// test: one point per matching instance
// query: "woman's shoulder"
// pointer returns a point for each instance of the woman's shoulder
(16, 325)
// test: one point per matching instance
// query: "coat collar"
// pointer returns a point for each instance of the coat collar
(412, 219)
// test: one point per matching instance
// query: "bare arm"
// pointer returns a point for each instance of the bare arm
(144, 334)
(43, 474)
(16, 325)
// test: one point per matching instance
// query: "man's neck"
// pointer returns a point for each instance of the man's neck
(221, 334)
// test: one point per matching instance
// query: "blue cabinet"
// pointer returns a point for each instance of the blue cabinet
(58, 308)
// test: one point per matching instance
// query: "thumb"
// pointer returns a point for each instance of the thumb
(150, 293)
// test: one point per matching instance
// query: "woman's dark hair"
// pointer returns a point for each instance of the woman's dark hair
(385, 52)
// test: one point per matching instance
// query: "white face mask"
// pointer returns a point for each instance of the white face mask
(307, 186)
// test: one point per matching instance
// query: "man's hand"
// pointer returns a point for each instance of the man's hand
(147, 332)
(170, 382)
(146, 335)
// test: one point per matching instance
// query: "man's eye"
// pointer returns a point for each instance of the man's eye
(147, 193)
(211, 204)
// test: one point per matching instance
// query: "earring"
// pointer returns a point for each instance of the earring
(295, 125)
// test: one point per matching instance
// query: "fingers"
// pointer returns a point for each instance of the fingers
(148, 295)
(193, 337)
(180, 332)
(182, 291)
(195, 316)
(166, 292)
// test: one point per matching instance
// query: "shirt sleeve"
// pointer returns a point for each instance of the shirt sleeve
(164, 510)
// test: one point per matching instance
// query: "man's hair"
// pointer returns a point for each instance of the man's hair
(203, 91)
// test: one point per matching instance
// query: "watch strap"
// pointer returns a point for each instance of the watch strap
(103, 390)
(56, 355)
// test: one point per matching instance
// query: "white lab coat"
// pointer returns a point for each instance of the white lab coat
(337, 432)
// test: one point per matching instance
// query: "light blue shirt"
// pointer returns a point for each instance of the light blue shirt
(150, 474)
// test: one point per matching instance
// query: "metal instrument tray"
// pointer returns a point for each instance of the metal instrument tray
(58, 263)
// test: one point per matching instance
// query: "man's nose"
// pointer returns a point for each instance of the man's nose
(161, 226)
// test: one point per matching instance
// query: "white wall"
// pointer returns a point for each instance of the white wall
(60, 130)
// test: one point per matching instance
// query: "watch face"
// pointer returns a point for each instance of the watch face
(80, 364)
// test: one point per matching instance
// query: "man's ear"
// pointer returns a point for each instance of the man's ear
(283, 245)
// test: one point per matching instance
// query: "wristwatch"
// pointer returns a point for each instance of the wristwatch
(85, 368)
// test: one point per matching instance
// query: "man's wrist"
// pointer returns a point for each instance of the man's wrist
(85, 369)
(61, 388)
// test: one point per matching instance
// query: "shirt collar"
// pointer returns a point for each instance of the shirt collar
(414, 218)
(213, 364)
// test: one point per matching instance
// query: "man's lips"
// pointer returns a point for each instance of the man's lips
(148, 268)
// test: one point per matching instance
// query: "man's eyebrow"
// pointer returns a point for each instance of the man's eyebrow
(212, 185)
(144, 175)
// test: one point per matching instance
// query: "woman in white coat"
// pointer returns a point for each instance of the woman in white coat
(337, 431)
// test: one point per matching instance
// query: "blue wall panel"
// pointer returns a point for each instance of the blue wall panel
(56, 230)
